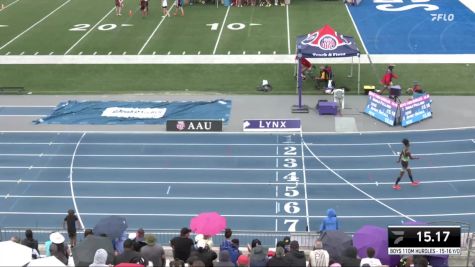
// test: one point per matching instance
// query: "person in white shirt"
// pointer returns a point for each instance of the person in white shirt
(371, 260)
(318, 256)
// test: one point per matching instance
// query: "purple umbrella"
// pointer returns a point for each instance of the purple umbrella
(377, 238)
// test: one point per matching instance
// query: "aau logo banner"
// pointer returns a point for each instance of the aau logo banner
(195, 125)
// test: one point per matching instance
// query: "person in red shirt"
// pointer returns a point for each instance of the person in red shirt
(387, 79)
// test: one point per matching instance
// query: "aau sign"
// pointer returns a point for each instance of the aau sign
(195, 125)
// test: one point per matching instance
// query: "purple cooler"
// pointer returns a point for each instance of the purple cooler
(327, 108)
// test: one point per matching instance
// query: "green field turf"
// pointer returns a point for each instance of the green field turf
(225, 79)
(88, 27)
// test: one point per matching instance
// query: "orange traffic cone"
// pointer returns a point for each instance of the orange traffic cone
(130, 13)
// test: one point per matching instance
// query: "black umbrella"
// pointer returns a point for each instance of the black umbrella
(335, 242)
(83, 253)
(112, 226)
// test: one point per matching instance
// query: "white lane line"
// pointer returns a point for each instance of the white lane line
(251, 198)
(34, 25)
(221, 30)
(392, 150)
(239, 215)
(71, 181)
(99, 181)
(208, 144)
(155, 30)
(89, 31)
(288, 28)
(304, 178)
(230, 169)
(168, 190)
(355, 187)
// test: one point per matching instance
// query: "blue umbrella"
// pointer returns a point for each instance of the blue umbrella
(112, 226)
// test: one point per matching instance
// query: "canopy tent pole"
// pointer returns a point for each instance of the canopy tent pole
(359, 73)
(351, 68)
(300, 108)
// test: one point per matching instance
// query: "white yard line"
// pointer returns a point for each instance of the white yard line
(288, 28)
(155, 30)
(229, 59)
(89, 31)
(9, 5)
(221, 30)
(34, 25)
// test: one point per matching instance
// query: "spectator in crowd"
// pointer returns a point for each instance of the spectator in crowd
(371, 260)
(295, 257)
(387, 79)
(330, 223)
(153, 252)
(208, 240)
(100, 258)
(15, 239)
(71, 223)
(182, 245)
(139, 240)
(88, 232)
(47, 247)
(253, 244)
(58, 248)
(177, 263)
(224, 259)
(406, 261)
(194, 256)
(234, 251)
(227, 240)
(349, 258)
(278, 260)
(421, 261)
(258, 257)
(205, 254)
(29, 241)
(243, 261)
(130, 255)
(318, 257)
(118, 243)
(199, 263)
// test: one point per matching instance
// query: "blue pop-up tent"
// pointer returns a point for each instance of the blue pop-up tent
(323, 43)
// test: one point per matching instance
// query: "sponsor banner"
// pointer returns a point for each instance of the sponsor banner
(195, 125)
(416, 110)
(139, 113)
(288, 125)
(381, 108)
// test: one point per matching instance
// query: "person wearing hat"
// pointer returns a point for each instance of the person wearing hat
(130, 255)
(258, 257)
(153, 251)
(295, 257)
(139, 239)
(58, 249)
(71, 223)
(182, 245)
(243, 261)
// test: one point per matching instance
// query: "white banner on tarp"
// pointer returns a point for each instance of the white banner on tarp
(140, 113)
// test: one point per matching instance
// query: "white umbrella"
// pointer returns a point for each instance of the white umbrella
(48, 261)
(14, 254)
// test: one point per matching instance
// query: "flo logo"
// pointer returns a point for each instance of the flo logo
(195, 125)
(326, 39)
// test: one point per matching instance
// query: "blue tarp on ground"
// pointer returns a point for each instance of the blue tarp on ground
(115, 112)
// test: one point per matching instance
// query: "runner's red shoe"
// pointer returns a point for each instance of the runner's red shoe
(396, 187)
(415, 183)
